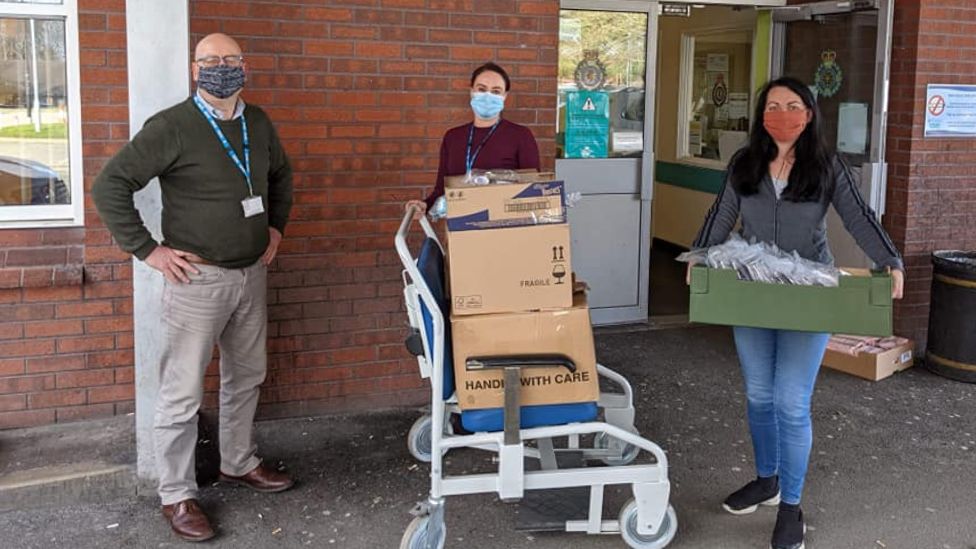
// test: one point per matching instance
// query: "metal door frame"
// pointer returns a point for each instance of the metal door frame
(875, 172)
(639, 313)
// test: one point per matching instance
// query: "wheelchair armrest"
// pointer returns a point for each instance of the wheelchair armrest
(415, 343)
(516, 361)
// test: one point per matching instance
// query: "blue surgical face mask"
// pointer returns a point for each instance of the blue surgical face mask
(487, 105)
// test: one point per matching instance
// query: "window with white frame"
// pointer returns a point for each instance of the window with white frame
(715, 95)
(40, 127)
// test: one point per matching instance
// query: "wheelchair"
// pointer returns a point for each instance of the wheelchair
(520, 434)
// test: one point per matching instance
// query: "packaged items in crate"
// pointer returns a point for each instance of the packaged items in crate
(764, 262)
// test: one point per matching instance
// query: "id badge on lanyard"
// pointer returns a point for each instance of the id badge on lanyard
(252, 205)
(468, 157)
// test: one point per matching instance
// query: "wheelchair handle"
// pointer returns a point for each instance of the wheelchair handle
(523, 361)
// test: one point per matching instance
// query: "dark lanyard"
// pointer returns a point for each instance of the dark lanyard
(468, 159)
(244, 167)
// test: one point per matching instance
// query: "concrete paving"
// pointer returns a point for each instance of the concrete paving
(894, 467)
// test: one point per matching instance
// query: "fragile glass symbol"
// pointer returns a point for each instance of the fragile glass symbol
(558, 270)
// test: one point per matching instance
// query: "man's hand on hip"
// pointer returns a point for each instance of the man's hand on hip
(172, 263)
(274, 238)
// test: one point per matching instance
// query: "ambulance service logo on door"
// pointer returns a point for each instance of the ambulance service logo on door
(829, 76)
(720, 93)
(590, 73)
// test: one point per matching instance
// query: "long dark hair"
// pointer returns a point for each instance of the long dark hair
(812, 168)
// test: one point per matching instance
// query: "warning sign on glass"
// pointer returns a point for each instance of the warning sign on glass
(950, 111)
(587, 124)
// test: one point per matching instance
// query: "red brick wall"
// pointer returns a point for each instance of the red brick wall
(65, 345)
(361, 93)
(931, 182)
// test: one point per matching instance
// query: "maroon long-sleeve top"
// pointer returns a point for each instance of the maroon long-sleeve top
(511, 147)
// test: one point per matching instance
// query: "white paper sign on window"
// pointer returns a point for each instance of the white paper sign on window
(852, 128)
(717, 62)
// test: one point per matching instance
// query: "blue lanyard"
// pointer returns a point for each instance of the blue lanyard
(468, 159)
(244, 167)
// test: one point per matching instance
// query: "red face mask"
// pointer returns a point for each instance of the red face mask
(785, 126)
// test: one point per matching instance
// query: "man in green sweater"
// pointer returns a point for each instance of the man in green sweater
(226, 192)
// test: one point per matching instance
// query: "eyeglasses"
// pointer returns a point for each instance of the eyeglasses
(215, 60)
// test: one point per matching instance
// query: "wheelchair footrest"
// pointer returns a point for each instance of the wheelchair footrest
(548, 510)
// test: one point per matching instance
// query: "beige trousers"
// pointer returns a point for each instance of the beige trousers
(227, 307)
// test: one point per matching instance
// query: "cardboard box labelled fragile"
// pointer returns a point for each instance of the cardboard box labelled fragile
(510, 270)
(505, 205)
(565, 332)
(871, 366)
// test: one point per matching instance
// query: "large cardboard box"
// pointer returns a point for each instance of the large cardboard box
(871, 366)
(506, 205)
(860, 305)
(510, 270)
(567, 332)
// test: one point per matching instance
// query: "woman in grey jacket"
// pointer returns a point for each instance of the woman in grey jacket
(780, 186)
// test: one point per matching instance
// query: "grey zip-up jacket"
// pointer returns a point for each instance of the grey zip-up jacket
(799, 226)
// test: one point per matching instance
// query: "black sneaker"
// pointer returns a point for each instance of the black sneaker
(762, 491)
(790, 528)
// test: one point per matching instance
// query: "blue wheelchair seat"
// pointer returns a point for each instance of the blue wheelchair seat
(492, 419)
(430, 263)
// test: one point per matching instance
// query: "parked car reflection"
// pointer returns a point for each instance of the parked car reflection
(25, 182)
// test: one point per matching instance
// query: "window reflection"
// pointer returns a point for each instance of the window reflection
(720, 100)
(601, 84)
(34, 166)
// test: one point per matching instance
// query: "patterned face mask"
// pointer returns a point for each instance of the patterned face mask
(221, 81)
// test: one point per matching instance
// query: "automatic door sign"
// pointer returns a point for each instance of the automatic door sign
(829, 75)
(950, 111)
(587, 124)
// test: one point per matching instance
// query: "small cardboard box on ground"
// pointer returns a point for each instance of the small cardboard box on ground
(872, 364)
(566, 332)
(860, 305)
(512, 269)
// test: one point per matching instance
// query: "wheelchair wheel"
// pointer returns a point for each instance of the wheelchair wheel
(419, 440)
(628, 453)
(628, 528)
(418, 535)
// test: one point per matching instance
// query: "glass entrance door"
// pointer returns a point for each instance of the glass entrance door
(607, 50)
(843, 50)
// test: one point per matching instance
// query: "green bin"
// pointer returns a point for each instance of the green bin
(860, 305)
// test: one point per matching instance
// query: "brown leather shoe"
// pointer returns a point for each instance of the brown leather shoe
(188, 520)
(261, 479)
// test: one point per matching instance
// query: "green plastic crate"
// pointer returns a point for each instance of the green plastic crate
(861, 305)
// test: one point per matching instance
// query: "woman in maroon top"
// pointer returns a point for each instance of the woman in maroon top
(489, 142)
